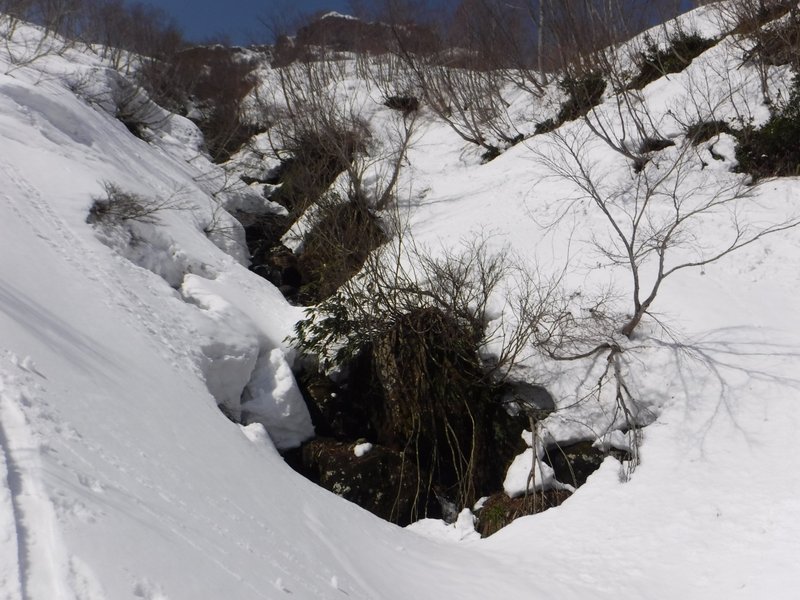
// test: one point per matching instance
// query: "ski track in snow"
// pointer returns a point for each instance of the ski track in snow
(41, 560)
(12, 552)
(34, 561)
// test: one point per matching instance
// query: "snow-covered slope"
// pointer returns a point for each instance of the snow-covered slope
(120, 478)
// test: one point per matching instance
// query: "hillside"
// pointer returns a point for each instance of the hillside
(122, 334)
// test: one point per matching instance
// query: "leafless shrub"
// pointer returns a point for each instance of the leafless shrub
(766, 32)
(132, 36)
(55, 24)
(423, 325)
(134, 108)
(213, 82)
(655, 217)
(321, 132)
(118, 206)
(471, 101)
(402, 278)
(336, 245)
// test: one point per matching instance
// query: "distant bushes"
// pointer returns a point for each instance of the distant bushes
(583, 93)
(145, 45)
(748, 16)
(773, 149)
(702, 131)
(779, 43)
(655, 62)
(208, 85)
(336, 247)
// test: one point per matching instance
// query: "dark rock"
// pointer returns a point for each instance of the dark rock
(262, 233)
(334, 413)
(490, 154)
(289, 292)
(574, 463)
(225, 410)
(530, 399)
(383, 481)
(290, 276)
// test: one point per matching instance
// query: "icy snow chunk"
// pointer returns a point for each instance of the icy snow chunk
(256, 433)
(273, 399)
(527, 437)
(229, 347)
(517, 476)
(479, 504)
(227, 364)
(361, 449)
(725, 147)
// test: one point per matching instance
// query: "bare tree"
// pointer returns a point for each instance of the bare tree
(54, 26)
(656, 215)
(766, 33)
(654, 210)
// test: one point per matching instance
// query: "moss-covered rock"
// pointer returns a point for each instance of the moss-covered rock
(499, 510)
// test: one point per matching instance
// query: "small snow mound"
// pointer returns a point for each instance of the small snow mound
(516, 481)
(361, 449)
(463, 530)
(149, 591)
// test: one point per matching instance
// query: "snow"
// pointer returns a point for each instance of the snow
(361, 449)
(337, 15)
(272, 398)
(460, 531)
(517, 478)
(120, 478)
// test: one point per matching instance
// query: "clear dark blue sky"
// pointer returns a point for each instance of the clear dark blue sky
(239, 20)
(246, 21)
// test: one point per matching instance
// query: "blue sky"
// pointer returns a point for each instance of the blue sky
(239, 20)
(243, 21)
